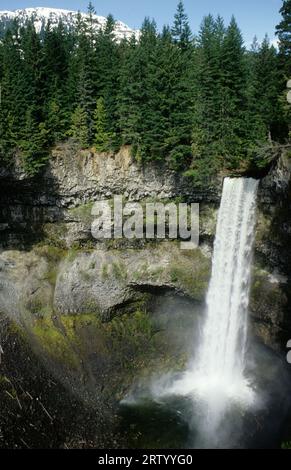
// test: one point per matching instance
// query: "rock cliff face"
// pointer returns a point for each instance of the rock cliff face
(89, 309)
(74, 180)
(271, 296)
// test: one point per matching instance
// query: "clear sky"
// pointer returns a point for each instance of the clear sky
(253, 16)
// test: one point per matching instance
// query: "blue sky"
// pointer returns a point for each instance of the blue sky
(254, 16)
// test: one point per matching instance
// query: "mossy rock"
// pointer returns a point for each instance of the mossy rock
(55, 234)
(129, 346)
(54, 342)
(191, 272)
(82, 213)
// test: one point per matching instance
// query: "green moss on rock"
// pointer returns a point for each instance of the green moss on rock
(82, 213)
(54, 342)
(129, 346)
(191, 272)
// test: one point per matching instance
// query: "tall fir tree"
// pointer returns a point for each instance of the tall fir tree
(283, 31)
(103, 138)
(266, 87)
(33, 70)
(107, 67)
(56, 45)
(181, 29)
(79, 127)
(129, 94)
(34, 145)
(233, 109)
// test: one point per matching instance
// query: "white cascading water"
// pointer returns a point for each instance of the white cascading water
(222, 354)
(216, 374)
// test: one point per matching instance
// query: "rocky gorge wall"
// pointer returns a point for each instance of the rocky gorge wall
(100, 313)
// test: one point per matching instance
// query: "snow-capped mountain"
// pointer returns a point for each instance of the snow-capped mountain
(41, 16)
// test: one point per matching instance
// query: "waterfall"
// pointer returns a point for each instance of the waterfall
(218, 391)
(216, 375)
(221, 359)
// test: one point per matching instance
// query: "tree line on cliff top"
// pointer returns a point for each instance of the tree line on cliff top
(196, 102)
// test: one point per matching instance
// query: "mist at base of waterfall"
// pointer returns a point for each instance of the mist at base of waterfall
(165, 413)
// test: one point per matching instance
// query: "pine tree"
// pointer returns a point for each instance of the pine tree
(178, 103)
(233, 117)
(57, 119)
(108, 69)
(33, 70)
(152, 121)
(283, 31)
(13, 87)
(208, 86)
(266, 89)
(56, 45)
(79, 127)
(103, 138)
(129, 95)
(197, 105)
(135, 108)
(91, 12)
(181, 29)
(34, 145)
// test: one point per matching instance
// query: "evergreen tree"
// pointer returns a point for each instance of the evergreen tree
(208, 87)
(91, 21)
(34, 145)
(129, 95)
(79, 127)
(82, 78)
(266, 86)
(198, 106)
(135, 109)
(103, 138)
(107, 69)
(33, 71)
(13, 88)
(56, 45)
(233, 116)
(181, 29)
(283, 31)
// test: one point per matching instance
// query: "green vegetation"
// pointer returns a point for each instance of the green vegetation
(191, 273)
(119, 271)
(82, 213)
(55, 234)
(198, 103)
(286, 445)
(54, 342)
(104, 272)
(103, 139)
(129, 344)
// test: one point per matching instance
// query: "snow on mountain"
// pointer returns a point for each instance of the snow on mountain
(41, 17)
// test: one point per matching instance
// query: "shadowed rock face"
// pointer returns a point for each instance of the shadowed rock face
(271, 294)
